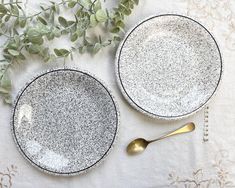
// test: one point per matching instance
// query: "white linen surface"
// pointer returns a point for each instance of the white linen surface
(181, 161)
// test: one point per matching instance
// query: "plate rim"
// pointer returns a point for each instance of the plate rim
(132, 102)
(100, 160)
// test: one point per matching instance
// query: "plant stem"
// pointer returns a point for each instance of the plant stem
(48, 8)
(12, 3)
(13, 15)
(6, 35)
(91, 7)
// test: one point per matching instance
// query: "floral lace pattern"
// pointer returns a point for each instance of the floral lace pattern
(6, 177)
(206, 124)
(215, 14)
(219, 179)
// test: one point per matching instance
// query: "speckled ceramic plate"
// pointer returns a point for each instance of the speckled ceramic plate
(168, 66)
(64, 121)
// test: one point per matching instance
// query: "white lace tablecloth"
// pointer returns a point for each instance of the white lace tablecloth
(187, 161)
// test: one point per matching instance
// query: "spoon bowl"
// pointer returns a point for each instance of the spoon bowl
(137, 146)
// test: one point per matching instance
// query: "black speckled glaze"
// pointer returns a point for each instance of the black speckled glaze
(65, 121)
(168, 66)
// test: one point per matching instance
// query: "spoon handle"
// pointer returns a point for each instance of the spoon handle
(189, 127)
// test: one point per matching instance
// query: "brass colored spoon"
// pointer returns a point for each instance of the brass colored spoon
(140, 144)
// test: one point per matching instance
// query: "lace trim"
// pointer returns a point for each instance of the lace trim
(206, 124)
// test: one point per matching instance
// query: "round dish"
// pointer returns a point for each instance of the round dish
(65, 121)
(168, 66)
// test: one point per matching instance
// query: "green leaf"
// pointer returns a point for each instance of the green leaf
(97, 6)
(127, 12)
(131, 5)
(71, 4)
(42, 20)
(45, 54)
(120, 24)
(50, 36)
(37, 40)
(44, 51)
(17, 40)
(82, 49)
(97, 48)
(22, 23)
(93, 21)
(70, 23)
(17, 21)
(63, 21)
(64, 52)
(34, 36)
(13, 52)
(49, 57)
(116, 38)
(7, 18)
(33, 32)
(3, 9)
(7, 57)
(3, 90)
(78, 13)
(86, 3)
(101, 15)
(122, 7)
(136, 2)
(115, 30)
(3, 26)
(57, 32)
(46, 58)
(43, 29)
(15, 10)
(21, 57)
(53, 7)
(61, 52)
(34, 49)
(57, 52)
(74, 37)
(42, 8)
(64, 32)
(80, 32)
(12, 45)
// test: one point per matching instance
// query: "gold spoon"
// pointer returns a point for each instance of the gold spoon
(140, 144)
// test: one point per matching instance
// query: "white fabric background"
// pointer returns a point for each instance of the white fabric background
(182, 155)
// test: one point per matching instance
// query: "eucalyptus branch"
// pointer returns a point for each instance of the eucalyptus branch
(46, 9)
(26, 34)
